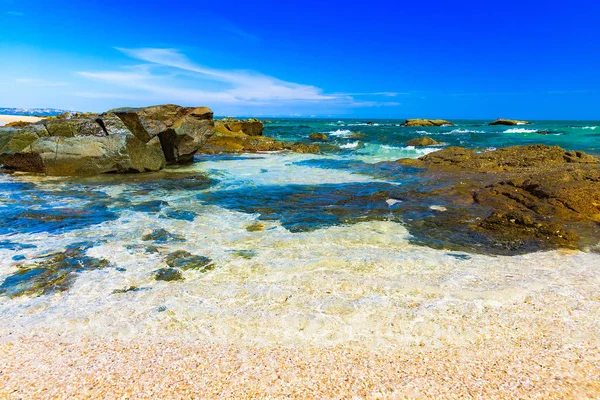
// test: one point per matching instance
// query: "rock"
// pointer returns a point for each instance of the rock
(319, 136)
(424, 141)
(168, 275)
(86, 155)
(228, 140)
(181, 131)
(256, 227)
(185, 260)
(162, 236)
(17, 124)
(502, 121)
(370, 123)
(427, 122)
(519, 198)
(53, 273)
(542, 132)
(248, 127)
(121, 140)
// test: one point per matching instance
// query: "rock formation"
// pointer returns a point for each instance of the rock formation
(510, 122)
(534, 197)
(238, 136)
(427, 122)
(321, 137)
(424, 141)
(120, 140)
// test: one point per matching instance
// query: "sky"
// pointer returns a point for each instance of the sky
(378, 59)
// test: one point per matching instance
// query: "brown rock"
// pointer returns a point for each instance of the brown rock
(424, 141)
(427, 122)
(319, 136)
(510, 122)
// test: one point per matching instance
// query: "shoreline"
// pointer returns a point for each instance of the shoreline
(145, 369)
(6, 119)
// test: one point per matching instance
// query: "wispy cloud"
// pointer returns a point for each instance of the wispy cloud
(170, 75)
(15, 13)
(39, 82)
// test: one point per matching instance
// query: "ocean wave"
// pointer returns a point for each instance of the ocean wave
(459, 130)
(589, 127)
(520, 130)
(340, 133)
(351, 145)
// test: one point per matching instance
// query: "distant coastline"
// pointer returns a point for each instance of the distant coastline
(6, 119)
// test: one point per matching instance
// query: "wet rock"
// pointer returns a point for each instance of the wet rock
(182, 215)
(542, 132)
(168, 275)
(54, 273)
(162, 236)
(427, 122)
(509, 122)
(319, 137)
(370, 123)
(521, 198)
(184, 260)
(127, 290)
(256, 227)
(424, 141)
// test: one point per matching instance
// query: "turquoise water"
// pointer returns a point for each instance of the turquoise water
(81, 255)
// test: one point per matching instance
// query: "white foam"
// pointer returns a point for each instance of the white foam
(351, 145)
(589, 127)
(340, 133)
(459, 130)
(520, 130)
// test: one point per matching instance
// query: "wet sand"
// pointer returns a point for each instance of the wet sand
(6, 119)
(43, 368)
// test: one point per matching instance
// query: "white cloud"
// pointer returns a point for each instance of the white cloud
(169, 75)
(15, 13)
(39, 82)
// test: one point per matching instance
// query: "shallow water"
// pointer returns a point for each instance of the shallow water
(334, 262)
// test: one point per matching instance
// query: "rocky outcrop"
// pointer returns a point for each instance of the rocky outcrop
(321, 137)
(421, 142)
(521, 197)
(120, 140)
(510, 122)
(427, 122)
(233, 136)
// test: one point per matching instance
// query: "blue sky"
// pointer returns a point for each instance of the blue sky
(447, 59)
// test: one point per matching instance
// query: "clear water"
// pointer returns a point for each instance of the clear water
(333, 263)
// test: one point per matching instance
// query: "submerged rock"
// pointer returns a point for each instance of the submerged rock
(121, 140)
(256, 227)
(54, 273)
(424, 141)
(168, 275)
(185, 260)
(162, 236)
(427, 122)
(510, 122)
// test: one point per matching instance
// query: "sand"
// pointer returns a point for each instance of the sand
(44, 367)
(6, 119)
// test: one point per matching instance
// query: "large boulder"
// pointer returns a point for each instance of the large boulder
(246, 136)
(120, 140)
(509, 122)
(427, 122)
(86, 155)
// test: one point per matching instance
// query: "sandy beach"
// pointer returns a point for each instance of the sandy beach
(44, 368)
(6, 119)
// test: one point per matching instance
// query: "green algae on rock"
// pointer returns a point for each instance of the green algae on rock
(185, 260)
(168, 275)
(54, 273)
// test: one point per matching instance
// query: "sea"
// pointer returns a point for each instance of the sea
(291, 257)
